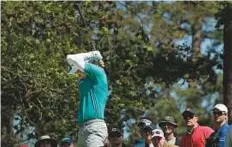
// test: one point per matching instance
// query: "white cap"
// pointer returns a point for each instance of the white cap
(221, 107)
(48, 138)
(157, 132)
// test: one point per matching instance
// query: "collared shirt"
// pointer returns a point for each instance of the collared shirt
(197, 138)
(93, 93)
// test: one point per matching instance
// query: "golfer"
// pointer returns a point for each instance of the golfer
(93, 89)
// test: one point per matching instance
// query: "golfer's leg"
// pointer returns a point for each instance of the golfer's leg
(97, 133)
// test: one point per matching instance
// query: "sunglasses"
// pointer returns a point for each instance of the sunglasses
(218, 113)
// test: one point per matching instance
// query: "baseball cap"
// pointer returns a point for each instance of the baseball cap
(168, 119)
(157, 132)
(190, 111)
(220, 107)
(144, 122)
(46, 138)
(115, 131)
(66, 140)
(147, 128)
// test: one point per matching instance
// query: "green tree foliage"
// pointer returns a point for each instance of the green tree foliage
(35, 85)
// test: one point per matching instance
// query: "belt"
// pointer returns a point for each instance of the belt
(91, 121)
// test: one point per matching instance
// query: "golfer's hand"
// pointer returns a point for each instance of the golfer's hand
(97, 54)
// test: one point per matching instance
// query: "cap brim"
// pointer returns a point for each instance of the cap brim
(162, 122)
(147, 128)
(157, 135)
(66, 140)
(188, 112)
(217, 110)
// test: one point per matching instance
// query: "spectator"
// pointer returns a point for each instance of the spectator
(168, 126)
(93, 89)
(196, 135)
(158, 139)
(116, 138)
(46, 141)
(144, 121)
(217, 139)
(228, 141)
(67, 142)
(147, 135)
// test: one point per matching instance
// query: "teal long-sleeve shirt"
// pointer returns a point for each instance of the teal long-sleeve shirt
(93, 93)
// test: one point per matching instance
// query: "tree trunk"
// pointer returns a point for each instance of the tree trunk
(227, 77)
(197, 37)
